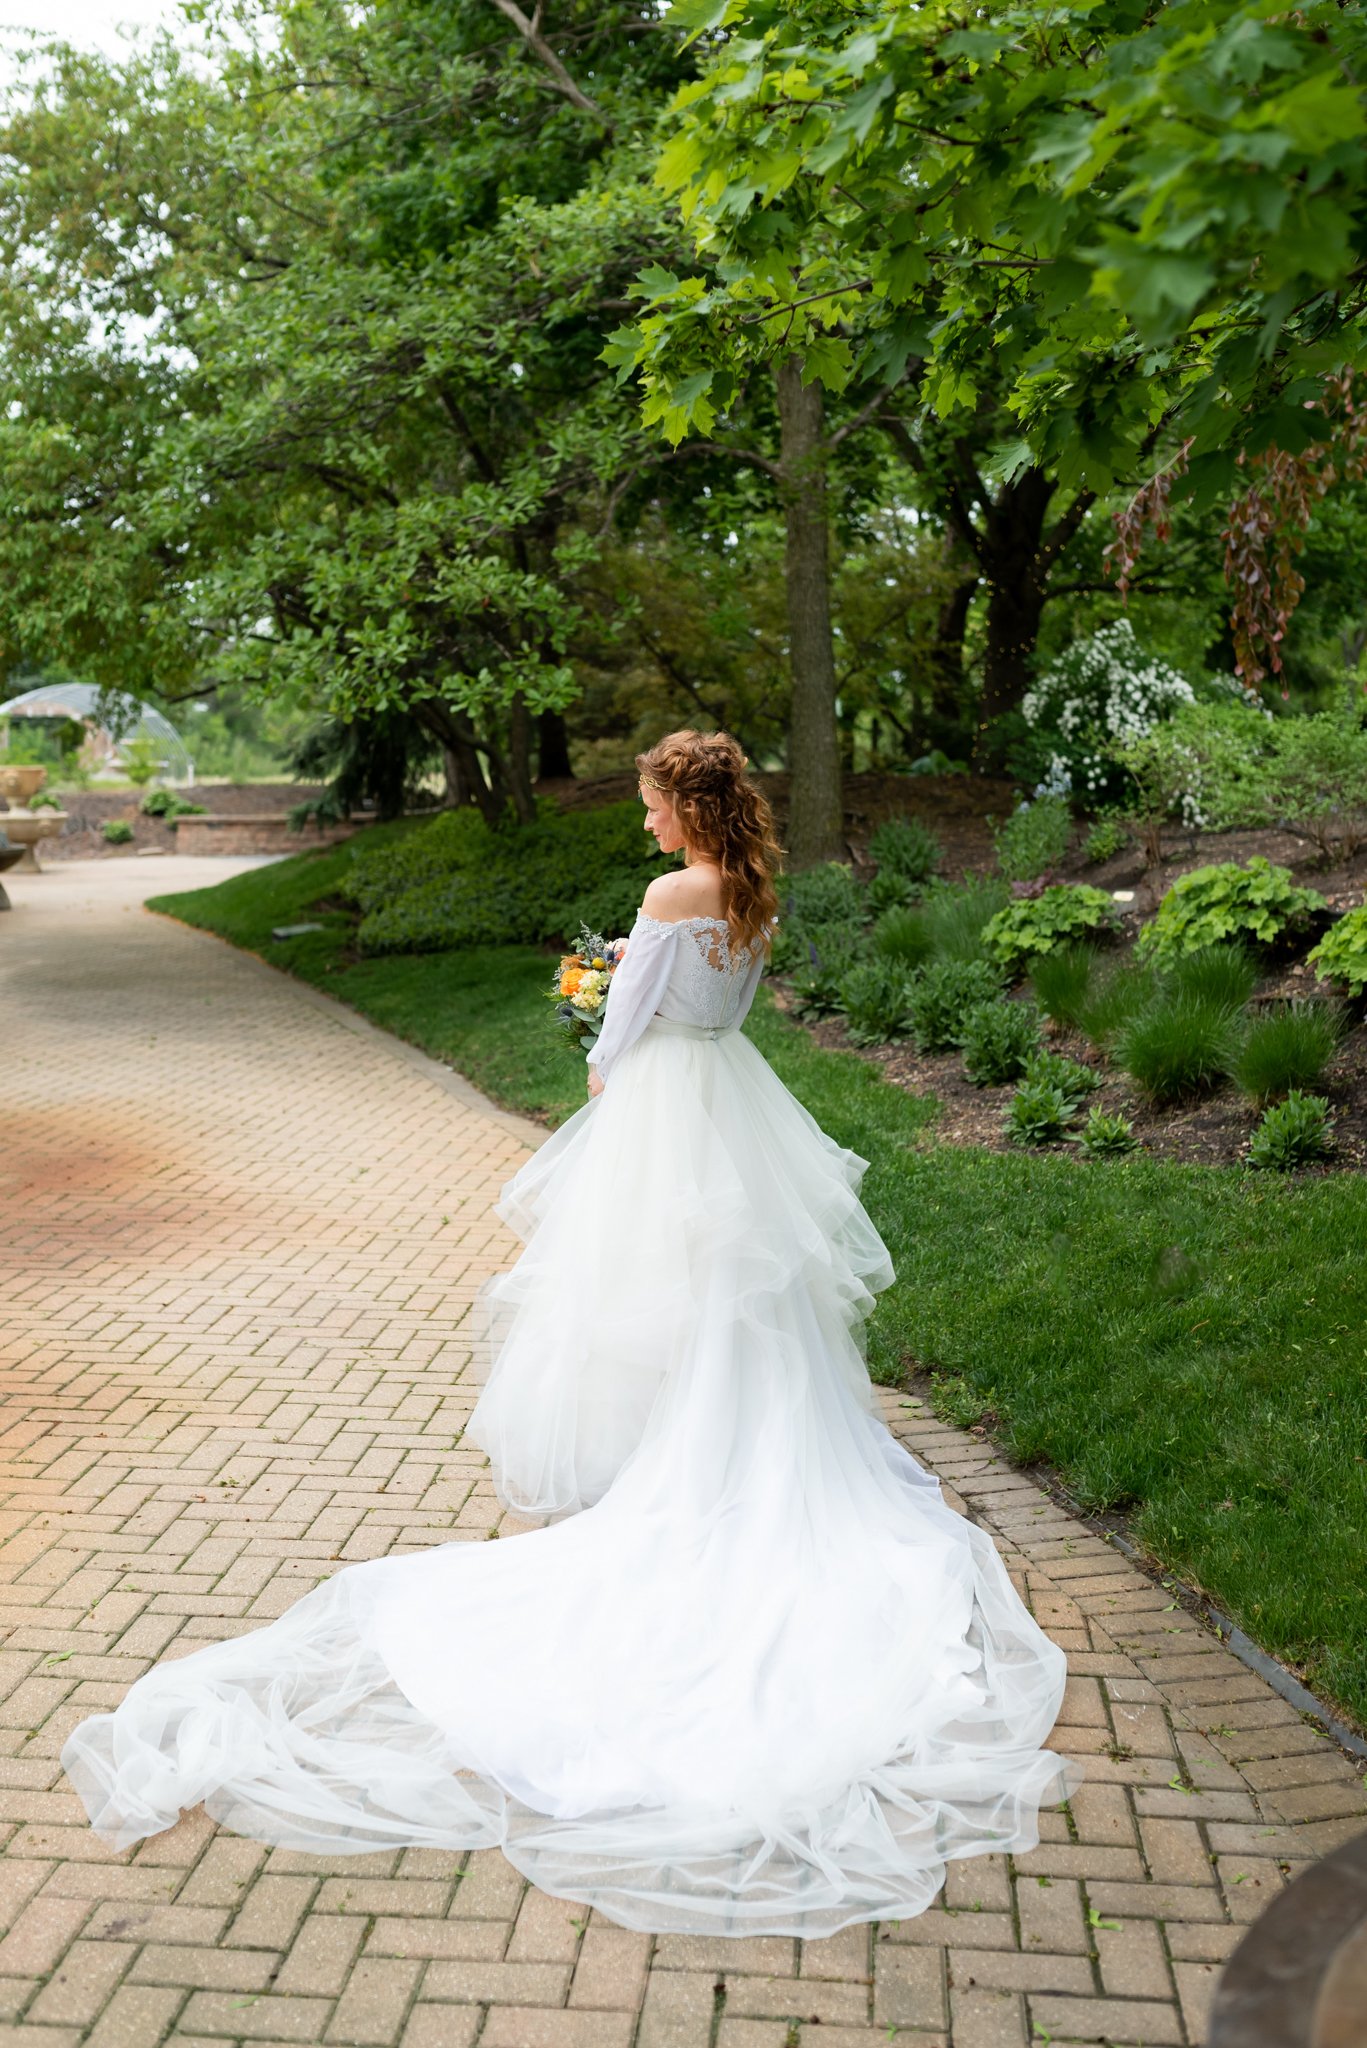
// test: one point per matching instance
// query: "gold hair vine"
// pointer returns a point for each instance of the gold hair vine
(649, 782)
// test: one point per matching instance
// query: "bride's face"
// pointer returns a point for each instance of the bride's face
(661, 822)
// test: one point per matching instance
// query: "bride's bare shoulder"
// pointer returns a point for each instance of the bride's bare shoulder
(691, 892)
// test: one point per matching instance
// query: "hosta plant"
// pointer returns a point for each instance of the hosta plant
(997, 1039)
(1074, 1081)
(1106, 1137)
(1297, 1132)
(1341, 955)
(1038, 1114)
(1257, 903)
(1063, 914)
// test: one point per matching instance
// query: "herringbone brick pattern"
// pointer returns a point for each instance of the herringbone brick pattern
(239, 1234)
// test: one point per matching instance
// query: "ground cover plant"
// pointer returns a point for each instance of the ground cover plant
(1258, 903)
(1182, 1344)
(1060, 916)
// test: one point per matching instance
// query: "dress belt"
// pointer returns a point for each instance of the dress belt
(683, 1029)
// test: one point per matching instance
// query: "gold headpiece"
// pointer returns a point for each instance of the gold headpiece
(649, 782)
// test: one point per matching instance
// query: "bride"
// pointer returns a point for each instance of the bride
(752, 1675)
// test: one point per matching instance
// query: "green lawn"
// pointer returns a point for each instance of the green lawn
(1186, 1343)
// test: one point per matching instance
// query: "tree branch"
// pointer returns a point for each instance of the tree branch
(530, 32)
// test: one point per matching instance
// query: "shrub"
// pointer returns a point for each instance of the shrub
(1203, 766)
(1257, 903)
(904, 849)
(165, 803)
(1293, 1133)
(116, 832)
(1287, 1049)
(956, 916)
(1217, 974)
(458, 882)
(1315, 779)
(1062, 982)
(1038, 1114)
(903, 935)
(1073, 1080)
(1179, 1046)
(827, 894)
(997, 1039)
(1106, 839)
(1101, 691)
(941, 997)
(1041, 924)
(1034, 838)
(1105, 1137)
(1117, 992)
(1341, 954)
(823, 958)
(873, 996)
(139, 759)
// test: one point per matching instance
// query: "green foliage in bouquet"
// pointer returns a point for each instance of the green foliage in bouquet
(1258, 903)
(579, 986)
(1341, 955)
(1031, 925)
(1297, 1132)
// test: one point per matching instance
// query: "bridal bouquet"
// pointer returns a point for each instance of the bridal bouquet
(580, 988)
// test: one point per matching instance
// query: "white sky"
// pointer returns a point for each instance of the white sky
(89, 24)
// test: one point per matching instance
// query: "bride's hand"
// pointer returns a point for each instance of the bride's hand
(595, 1081)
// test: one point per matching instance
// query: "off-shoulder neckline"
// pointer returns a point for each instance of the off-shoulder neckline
(676, 923)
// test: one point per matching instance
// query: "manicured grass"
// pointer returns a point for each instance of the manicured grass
(1187, 1343)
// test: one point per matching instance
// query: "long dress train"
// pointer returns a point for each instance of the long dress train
(753, 1675)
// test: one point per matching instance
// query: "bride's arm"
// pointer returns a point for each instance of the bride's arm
(635, 994)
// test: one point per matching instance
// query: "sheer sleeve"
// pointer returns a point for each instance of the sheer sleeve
(636, 989)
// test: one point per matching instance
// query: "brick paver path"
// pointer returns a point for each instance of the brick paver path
(240, 1231)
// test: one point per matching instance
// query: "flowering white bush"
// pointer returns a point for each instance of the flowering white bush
(1101, 694)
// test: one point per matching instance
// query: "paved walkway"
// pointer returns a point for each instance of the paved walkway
(239, 1232)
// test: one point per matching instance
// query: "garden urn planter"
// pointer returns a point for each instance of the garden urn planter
(19, 784)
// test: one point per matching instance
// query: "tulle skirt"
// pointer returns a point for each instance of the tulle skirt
(751, 1676)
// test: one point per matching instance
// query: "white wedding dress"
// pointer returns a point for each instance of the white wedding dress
(754, 1676)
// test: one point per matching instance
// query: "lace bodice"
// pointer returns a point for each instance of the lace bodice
(685, 969)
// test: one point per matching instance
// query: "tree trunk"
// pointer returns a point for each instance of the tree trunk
(553, 748)
(466, 781)
(1016, 571)
(947, 651)
(816, 808)
(520, 761)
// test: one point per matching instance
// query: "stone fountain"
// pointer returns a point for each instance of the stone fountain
(21, 826)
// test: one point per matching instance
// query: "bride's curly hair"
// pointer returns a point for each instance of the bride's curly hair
(724, 818)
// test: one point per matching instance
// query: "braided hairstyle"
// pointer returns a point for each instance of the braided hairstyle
(724, 818)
